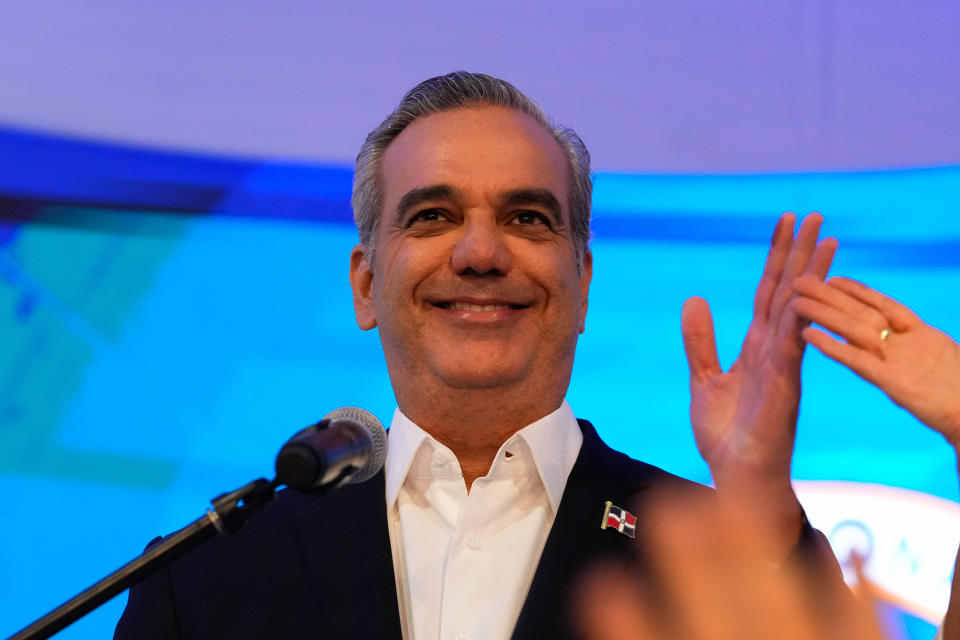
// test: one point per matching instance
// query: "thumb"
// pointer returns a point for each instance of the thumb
(696, 325)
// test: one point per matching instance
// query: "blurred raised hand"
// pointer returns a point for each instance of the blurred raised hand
(706, 580)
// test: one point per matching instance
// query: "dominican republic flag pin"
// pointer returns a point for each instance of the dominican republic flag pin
(620, 519)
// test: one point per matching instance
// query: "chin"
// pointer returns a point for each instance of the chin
(479, 374)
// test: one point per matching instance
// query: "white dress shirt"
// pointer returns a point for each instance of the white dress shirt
(464, 561)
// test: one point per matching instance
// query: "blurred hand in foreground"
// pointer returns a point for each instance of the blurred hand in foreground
(705, 580)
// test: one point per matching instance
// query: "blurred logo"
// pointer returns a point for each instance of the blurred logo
(907, 539)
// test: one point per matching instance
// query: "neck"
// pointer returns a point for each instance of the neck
(474, 423)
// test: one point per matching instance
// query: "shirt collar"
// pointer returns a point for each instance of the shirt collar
(554, 442)
(404, 438)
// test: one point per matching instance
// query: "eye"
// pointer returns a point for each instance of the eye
(427, 215)
(528, 218)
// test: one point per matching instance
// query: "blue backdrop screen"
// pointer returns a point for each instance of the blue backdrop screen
(169, 320)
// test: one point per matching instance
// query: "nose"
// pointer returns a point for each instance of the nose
(481, 248)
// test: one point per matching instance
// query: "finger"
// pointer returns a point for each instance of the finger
(900, 317)
(819, 264)
(800, 252)
(842, 301)
(695, 573)
(717, 585)
(859, 621)
(863, 363)
(699, 341)
(773, 268)
(855, 331)
(817, 267)
(610, 606)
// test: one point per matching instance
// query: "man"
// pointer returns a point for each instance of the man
(474, 265)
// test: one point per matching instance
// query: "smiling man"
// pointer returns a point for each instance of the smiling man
(474, 277)
(478, 285)
(473, 211)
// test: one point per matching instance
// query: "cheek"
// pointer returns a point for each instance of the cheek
(561, 278)
(401, 271)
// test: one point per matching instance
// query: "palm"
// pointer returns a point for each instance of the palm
(923, 374)
(744, 419)
(917, 365)
(747, 414)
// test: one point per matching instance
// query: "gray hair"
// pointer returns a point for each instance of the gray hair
(452, 91)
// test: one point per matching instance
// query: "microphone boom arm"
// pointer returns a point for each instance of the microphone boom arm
(348, 445)
(230, 511)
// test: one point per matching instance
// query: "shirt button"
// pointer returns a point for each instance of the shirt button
(460, 636)
(473, 541)
(439, 459)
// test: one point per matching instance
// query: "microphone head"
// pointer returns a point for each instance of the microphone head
(378, 440)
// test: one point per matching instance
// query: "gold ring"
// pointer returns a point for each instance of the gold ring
(884, 334)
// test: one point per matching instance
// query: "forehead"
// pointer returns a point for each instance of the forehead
(481, 151)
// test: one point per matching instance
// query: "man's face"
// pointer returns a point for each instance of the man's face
(475, 282)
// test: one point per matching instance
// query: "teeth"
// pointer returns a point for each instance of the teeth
(466, 306)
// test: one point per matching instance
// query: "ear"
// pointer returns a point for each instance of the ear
(361, 281)
(586, 275)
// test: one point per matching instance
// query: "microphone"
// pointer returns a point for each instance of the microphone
(348, 445)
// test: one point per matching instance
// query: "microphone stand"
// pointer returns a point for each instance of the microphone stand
(230, 511)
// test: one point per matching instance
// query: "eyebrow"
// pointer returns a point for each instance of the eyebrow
(415, 196)
(542, 197)
(513, 197)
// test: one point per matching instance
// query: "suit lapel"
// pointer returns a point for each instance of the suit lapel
(576, 540)
(346, 549)
(345, 544)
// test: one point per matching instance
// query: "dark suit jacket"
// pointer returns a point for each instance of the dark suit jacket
(321, 567)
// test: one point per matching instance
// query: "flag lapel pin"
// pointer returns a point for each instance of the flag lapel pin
(618, 518)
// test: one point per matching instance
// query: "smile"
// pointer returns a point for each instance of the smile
(469, 306)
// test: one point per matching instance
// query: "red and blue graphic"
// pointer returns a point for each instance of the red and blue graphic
(618, 518)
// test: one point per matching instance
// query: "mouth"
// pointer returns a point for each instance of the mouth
(476, 310)
(460, 305)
